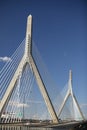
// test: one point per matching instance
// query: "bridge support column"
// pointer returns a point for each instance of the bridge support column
(28, 58)
(70, 93)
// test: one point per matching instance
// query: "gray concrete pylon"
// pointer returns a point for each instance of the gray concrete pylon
(28, 58)
(68, 94)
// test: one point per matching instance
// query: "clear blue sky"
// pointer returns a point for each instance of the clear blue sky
(59, 31)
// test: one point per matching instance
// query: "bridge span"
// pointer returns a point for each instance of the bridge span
(16, 80)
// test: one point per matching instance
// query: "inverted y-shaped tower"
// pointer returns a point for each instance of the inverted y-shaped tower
(28, 59)
(68, 94)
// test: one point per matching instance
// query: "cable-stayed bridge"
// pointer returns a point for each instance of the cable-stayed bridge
(27, 93)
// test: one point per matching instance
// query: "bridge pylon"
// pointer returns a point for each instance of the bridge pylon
(68, 94)
(28, 59)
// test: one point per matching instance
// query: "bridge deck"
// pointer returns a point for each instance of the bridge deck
(45, 126)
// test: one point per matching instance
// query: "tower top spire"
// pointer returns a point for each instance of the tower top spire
(70, 74)
(28, 41)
